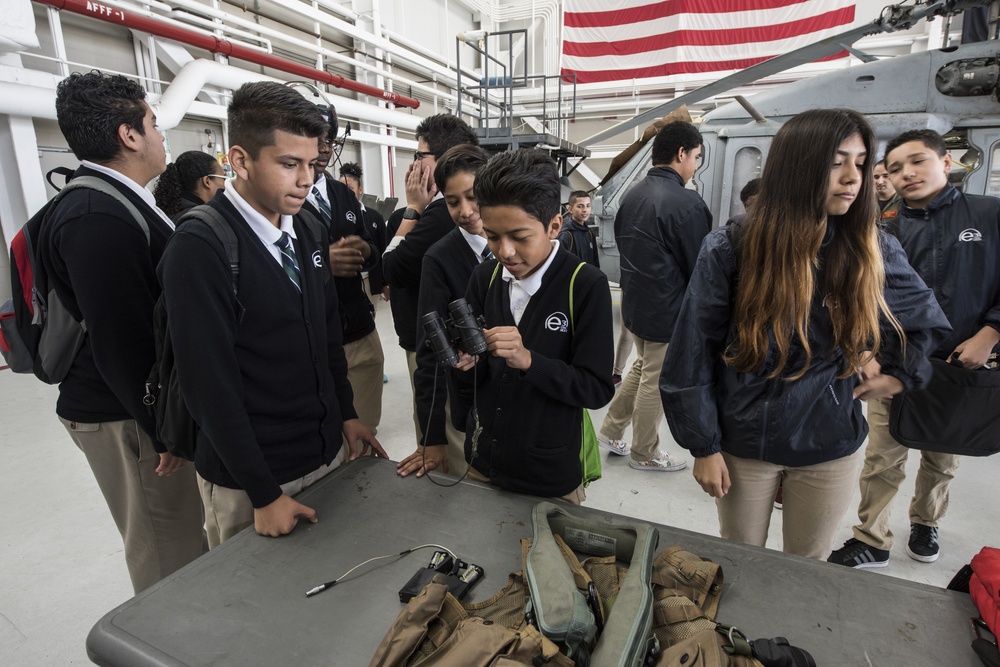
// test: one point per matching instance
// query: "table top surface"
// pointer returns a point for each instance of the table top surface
(244, 603)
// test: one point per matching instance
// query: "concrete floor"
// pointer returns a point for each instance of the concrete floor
(61, 563)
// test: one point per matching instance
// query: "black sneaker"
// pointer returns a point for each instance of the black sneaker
(923, 544)
(859, 555)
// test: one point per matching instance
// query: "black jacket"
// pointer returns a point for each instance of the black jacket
(659, 229)
(579, 240)
(531, 421)
(375, 224)
(401, 266)
(266, 381)
(98, 260)
(188, 201)
(954, 244)
(710, 407)
(447, 268)
(356, 311)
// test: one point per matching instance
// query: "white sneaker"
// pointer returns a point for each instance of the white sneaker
(617, 447)
(662, 463)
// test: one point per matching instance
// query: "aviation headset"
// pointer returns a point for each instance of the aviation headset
(328, 110)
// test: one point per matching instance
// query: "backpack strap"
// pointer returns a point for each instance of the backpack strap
(496, 270)
(572, 281)
(102, 186)
(313, 224)
(224, 232)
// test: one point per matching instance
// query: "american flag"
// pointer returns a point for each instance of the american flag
(612, 40)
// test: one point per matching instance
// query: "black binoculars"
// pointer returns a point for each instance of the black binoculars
(462, 330)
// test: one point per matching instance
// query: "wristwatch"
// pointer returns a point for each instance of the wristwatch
(411, 214)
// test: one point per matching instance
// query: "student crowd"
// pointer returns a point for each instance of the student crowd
(757, 340)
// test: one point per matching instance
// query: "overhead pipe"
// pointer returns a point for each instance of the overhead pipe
(216, 45)
(195, 75)
(193, 6)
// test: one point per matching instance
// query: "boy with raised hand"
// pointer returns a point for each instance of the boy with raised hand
(414, 229)
(447, 267)
(262, 371)
(952, 240)
(548, 331)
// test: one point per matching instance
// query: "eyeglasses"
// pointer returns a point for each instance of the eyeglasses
(222, 176)
(420, 155)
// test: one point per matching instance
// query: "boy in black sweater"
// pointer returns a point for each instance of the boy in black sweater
(447, 267)
(414, 229)
(548, 333)
(262, 371)
(351, 252)
(102, 266)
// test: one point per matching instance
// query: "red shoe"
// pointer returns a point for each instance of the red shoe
(777, 499)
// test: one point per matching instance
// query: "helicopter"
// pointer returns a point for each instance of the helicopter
(953, 90)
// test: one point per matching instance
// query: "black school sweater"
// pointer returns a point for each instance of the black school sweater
(98, 260)
(356, 312)
(269, 388)
(531, 421)
(447, 268)
(375, 224)
(401, 266)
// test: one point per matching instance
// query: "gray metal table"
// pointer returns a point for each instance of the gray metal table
(244, 603)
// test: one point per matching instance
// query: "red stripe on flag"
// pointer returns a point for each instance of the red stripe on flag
(677, 38)
(687, 67)
(667, 8)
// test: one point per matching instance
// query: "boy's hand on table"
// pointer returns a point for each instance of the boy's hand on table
(423, 460)
(354, 432)
(506, 343)
(281, 516)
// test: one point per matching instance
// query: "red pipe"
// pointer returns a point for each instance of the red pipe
(215, 45)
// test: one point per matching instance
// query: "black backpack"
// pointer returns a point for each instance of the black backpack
(37, 333)
(175, 427)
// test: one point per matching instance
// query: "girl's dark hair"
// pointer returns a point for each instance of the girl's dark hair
(526, 179)
(352, 170)
(779, 251)
(459, 159)
(181, 176)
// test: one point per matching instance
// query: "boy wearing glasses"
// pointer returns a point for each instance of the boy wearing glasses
(414, 229)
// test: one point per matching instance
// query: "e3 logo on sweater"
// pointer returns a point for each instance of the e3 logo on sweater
(557, 322)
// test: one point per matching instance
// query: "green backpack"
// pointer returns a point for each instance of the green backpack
(590, 450)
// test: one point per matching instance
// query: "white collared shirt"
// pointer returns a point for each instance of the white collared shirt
(261, 226)
(142, 192)
(320, 185)
(521, 291)
(476, 242)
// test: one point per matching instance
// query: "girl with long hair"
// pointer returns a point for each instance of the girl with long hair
(190, 180)
(763, 378)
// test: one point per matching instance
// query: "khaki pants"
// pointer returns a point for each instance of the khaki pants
(574, 497)
(815, 502)
(229, 511)
(411, 368)
(885, 470)
(160, 518)
(623, 349)
(638, 402)
(457, 465)
(365, 365)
